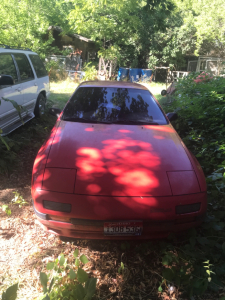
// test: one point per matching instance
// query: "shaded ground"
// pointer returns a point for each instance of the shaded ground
(25, 248)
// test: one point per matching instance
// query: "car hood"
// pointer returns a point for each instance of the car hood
(114, 159)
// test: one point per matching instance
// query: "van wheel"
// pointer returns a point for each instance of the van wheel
(40, 106)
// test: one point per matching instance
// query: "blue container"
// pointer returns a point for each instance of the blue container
(135, 75)
(146, 74)
(122, 74)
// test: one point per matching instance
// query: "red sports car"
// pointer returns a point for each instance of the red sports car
(114, 167)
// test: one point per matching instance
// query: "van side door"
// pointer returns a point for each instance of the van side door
(28, 82)
(41, 73)
(8, 114)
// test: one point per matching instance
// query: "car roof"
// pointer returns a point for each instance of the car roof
(4, 50)
(118, 84)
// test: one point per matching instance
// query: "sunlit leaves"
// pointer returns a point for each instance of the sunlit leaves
(67, 280)
(25, 23)
(50, 265)
(127, 26)
(208, 20)
(6, 209)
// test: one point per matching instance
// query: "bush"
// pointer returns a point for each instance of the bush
(55, 70)
(63, 281)
(91, 72)
(201, 123)
(201, 108)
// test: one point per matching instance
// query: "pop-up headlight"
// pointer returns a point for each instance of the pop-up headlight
(183, 182)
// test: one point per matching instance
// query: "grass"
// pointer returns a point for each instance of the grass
(61, 92)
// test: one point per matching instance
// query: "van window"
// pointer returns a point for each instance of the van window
(38, 65)
(26, 72)
(7, 66)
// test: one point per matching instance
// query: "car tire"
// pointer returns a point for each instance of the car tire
(39, 109)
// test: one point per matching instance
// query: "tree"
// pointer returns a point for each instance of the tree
(207, 17)
(25, 23)
(128, 25)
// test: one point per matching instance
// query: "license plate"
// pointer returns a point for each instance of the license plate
(123, 228)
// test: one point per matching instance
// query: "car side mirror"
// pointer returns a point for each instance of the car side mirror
(172, 116)
(163, 92)
(54, 111)
(6, 80)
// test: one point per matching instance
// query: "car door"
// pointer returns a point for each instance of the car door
(8, 114)
(28, 82)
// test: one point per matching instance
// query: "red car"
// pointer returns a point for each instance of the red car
(114, 167)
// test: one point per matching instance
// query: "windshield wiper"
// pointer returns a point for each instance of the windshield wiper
(137, 122)
(83, 120)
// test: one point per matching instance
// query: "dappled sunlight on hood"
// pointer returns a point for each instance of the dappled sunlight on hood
(164, 128)
(123, 166)
(118, 160)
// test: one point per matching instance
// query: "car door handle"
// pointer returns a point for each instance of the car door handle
(35, 84)
(18, 90)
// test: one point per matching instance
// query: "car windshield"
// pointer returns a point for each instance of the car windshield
(113, 105)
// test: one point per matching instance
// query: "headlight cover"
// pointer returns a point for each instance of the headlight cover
(183, 182)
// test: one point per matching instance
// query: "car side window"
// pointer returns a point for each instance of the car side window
(26, 72)
(7, 66)
(38, 65)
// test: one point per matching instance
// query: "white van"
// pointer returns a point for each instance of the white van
(24, 79)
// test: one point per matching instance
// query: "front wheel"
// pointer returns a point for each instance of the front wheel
(40, 106)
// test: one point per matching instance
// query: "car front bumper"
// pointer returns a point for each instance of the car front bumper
(94, 229)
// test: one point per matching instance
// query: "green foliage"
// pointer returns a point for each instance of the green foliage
(123, 29)
(67, 281)
(90, 72)
(121, 268)
(201, 108)
(10, 293)
(206, 19)
(6, 209)
(63, 281)
(18, 199)
(55, 70)
(142, 33)
(109, 53)
(25, 23)
(198, 263)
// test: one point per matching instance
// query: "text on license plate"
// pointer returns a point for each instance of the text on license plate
(123, 228)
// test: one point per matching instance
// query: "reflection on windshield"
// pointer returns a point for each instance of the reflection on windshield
(113, 105)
